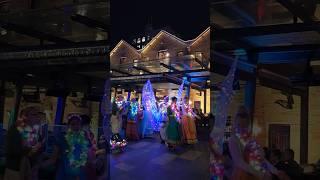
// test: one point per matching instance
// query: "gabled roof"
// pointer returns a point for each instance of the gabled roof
(124, 43)
(161, 33)
(199, 37)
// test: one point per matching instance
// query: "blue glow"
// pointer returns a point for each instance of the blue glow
(150, 104)
(133, 110)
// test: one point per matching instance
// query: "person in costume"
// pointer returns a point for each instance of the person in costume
(247, 155)
(91, 167)
(173, 135)
(28, 125)
(116, 140)
(73, 152)
(16, 155)
(188, 126)
(164, 118)
(132, 128)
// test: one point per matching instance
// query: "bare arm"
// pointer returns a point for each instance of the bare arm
(237, 157)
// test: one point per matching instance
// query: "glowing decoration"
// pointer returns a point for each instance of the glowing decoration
(150, 105)
(256, 159)
(217, 134)
(117, 142)
(30, 135)
(134, 106)
(120, 104)
(177, 108)
(78, 148)
(223, 101)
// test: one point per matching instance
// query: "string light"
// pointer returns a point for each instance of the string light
(149, 102)
(217, 134)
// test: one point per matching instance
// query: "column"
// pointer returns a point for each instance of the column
(304, 116)
(19, 88)
(250, 91)
(205, 102)
(61, 104)
(129, 94)
(2, 104)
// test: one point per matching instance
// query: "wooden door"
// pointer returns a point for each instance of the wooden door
(279, 136)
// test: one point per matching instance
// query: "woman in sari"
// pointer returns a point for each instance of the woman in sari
(164, 119)
(189, 132)
(173, 135)
(247, 155)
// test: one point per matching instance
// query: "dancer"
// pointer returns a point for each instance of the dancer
(132, 129)
(116, 142)
(189, 132)
(173, 135)
(247, 156)
(164, 118)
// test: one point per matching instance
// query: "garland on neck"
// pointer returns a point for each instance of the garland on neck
(29, 134)
(77, 152)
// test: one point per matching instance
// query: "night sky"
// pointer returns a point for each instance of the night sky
(129, 17)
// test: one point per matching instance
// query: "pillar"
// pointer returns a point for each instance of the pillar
(2, 104)
(250, 91)
(19, 88)
(129, 94)
(61, 104)
(205, 102)
(304, 116)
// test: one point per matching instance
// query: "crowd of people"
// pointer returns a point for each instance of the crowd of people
(175, 121)
(243, 158)
(76, 153)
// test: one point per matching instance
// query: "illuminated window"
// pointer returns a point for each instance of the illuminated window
(138, 41)
(199, 55)
(163, 54)
(123, 60)
(139, 46)
(148, 38)
(134, 41)
(143, 46)
(143, 39)
(180, 53)
(135, 62)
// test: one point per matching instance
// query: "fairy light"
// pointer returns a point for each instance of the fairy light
(217, 134)
(149, 102)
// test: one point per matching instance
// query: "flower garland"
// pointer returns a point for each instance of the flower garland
(133, 110)
(176, 111)
(256, 159)
(30, 135)
(78, 148)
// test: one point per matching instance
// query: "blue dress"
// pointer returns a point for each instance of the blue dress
(65, 171)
